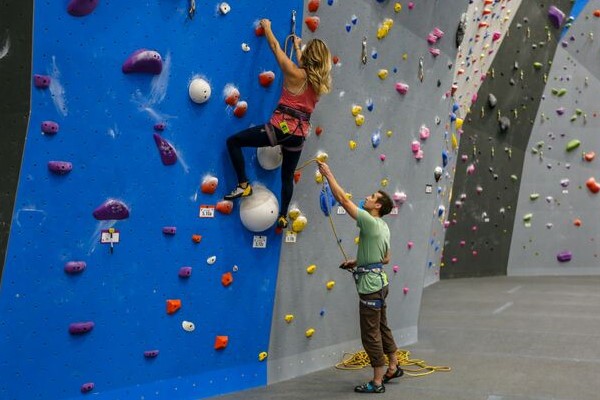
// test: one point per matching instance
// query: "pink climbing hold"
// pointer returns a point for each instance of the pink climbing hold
(405, 290)
(87, 387)
(419, 155)
(471, 169)
(81, 8)
(75, 267)
(49, 127)
(431, 38)
(382, 157)
(496, 36)
(424, 132)
(402, 87)
(411, 5)
(145, 61)
(41, 81)
(410, 244)
(434, 51)
(168, 155)
(395, 268)
(415, 146)
(160, 126)
(474, 98)
(462, 243)
(60, 167)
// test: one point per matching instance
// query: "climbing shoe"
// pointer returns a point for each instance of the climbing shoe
(370, 387)
(397, 374)
(239, 192)
(282, 222)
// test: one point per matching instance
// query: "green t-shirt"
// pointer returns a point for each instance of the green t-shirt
(373, 245)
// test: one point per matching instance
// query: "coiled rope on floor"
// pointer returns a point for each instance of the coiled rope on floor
(359, 360)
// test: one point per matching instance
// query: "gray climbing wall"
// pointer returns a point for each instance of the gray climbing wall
(486, 185)
(564, 214)
(333, 314)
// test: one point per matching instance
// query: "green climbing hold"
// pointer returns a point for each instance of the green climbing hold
(578, 111)
(540, 144)
(534, 150)
(573, 144)
(573, 117)
(527, 217)
(554, 91)
(534, 196)
(514, 178)
(537, 65)
(561, 92)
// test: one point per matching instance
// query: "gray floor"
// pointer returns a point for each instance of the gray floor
(505, 339)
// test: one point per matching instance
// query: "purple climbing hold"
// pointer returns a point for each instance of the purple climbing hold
(564, 256)
(167, 152)
(41, 81)
(151, 353)
(79, 328)
(81, 8)
(60, 167)
(111, 209)
(75, 267)
(560, 111)
(87, 387)
(556, 16)
(169, 230)
(49, 127)
(148, 61)
(185, 272)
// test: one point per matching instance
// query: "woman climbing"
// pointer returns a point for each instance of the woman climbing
(289, 125)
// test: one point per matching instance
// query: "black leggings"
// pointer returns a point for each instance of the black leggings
(257, 137)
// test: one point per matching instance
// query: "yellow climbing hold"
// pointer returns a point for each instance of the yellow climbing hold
(262, 356)
(356, 110)
(352, 144)
(330, 285)
(459, 123)
(405, 56)
(389, 133)
(382, 74)
(356, 240)
(359, 119)
(454, 142)
(322, 156)
(294, 213)
(309, 332)
(299, 224)
(311, 269)
(384, 182)
(289, 318)
(397, 7)
(318, 177)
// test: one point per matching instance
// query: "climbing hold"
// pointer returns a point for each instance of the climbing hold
(384, 182)
(185, 272)
(111, 209)
(258, 29)
(312, 23)
(50, 127)
(160, 126)
(424, 132)
(224, 8)
(262, 356)
(375, 139)
(309, 332)
(318, 176)
(356, 110)
(492, 101)
(352, 144)
(199, 90)
(311, 269)
(224, 207)
(504, 123)
(313, 5)
(471, 169)
(564, 256)
(397, 7)
(143, 61)
(458, 123)
(240, 109)
(382, 74)
(60, 167)
(221, 342)
(299, 224)
(382, 157)
(151, 353)
(330, 285)
(87, 387)
(402, 88)
(173, 305)
(188, 326)
(395, 268)
(335, 60)
(573, 144)
(269, 158)
(389, 133)
(577, 222)
(318, 130)
(196, 238)
(496, 36)
(592, 185)
(209, 184)
(265, 79)
(80, 328)
(537, 65)
(81, 8)
(589, 156)
(534, 196)
(556, 16)
(41, 81)
(434, 51)
(226, 279)
(399, 197)
(294, 213)
(415, 146)
(289, 318)
(437, 173)
(410, 244)
(232, 95)
(259, 211)
(75, 267)
(359, 119)
(297, 176)
(405, 290)
(211, 260)
(168, 155)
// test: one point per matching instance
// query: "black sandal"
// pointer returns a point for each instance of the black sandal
(397, 374)
(369, 387)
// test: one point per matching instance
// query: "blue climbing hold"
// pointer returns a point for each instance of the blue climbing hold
(327, 201)
(376, 139)
(444, 158)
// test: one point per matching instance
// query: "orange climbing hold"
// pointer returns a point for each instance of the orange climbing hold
(225, 206)
(335, 60)
(297, 176)
(318, 130)
(209, 185)
(266, 78)
(240, 109)
(592, 185)
(221, 342)
(196, 238)
(226, 279)
(312, 23)
(577, 222)
(232, 95)
(313, 5)
(589, 156)
(597, 13)
(173, 305)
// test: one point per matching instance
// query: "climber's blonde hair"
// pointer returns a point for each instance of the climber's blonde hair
(316, 60)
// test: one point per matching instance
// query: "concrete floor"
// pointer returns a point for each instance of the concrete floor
(506, 338)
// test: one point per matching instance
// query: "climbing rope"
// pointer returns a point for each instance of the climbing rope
(361, 360)
(337, 239)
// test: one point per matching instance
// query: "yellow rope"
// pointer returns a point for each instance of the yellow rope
(361, 360)
(337, 239)
(306, 164)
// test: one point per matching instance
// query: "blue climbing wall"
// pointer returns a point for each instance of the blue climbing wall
(106, 130)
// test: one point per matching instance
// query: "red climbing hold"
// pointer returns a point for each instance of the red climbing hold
(196, 238)
(232, 95)
(597, 13)
(297, 176)
(259, 30)
(225, 207)
(335, 60)
(313, 5)
(318, 130)
(266, 78)
(209, 185)
(312, 23)
(173, 305)
(240, 109)
(226, 279)
(221, 342)
(592, 185)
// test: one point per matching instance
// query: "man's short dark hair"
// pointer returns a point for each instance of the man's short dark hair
(386, 203)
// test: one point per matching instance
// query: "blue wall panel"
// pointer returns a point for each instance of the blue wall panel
(106, 125)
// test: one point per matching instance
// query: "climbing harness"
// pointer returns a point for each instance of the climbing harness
(361, 360)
